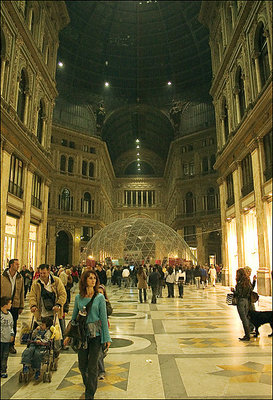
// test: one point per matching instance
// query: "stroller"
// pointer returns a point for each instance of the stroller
(52, 351)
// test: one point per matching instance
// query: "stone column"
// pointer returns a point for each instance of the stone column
(267, 35)
(141, 195)
(5, 167)
(239, 225)
(131, 192)
(255, 56)
(126, 197)
(25, 118)
(263, 275)
(147, 198)
(26, 216)
(136, 198)
(3, 67)
(201, 256)
(42, 241)
(223, 196)
(51, 246)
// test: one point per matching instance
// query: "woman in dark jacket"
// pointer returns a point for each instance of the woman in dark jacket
(242, 293)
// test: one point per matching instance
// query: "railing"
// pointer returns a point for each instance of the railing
(15, 189)
(247, 189)
(36, 202)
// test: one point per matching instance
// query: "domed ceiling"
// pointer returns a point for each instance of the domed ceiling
(150, 53)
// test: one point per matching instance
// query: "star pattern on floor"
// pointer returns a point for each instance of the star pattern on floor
(117, 376)
(246, 373)
(205, 324)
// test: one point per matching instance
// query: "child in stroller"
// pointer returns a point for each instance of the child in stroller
(40, 349)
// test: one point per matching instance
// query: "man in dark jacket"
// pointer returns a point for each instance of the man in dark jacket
(102, 274)
(153, 282)
(12, 285)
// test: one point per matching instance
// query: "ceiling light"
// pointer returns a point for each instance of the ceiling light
(106, 84)
(106, 62)
(138, 159)
(137, 141)
(138, 146)
(138, 169)
(138, 155)
(61, 64)
(169, 83)
(138, 165)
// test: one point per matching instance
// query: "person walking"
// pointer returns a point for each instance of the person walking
(88, 354)
(6, 333)
(161, 281)
(142, 283)
(170, 280)
(12, 285)
(153, 282)
(197, 276)
(180, 279)
(242, 293)
(213, 275)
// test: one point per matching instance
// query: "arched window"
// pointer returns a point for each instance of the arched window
(205, 164)
(40, 122)
(263, 55)
(66, 201)
(70, 165)
(225, 117)
(91, 170)
(241, 87)
(21, 102)
(189, 203)
(63, 163)
(86, 203)
(84, 168)
(212, 161)
(211, 199)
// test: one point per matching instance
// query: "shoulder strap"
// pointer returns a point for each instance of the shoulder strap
(89, 305)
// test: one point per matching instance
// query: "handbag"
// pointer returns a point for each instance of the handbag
(231, 300)
(254, 297)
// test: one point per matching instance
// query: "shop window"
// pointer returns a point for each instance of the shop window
(9, 250)
(230, 190)
(267, 144)
(63, 163)
(70, 165)
(84, 168)
(32, 245)
(91, 170)
(36, 191)
(247, 175)
(66, 200)
(21, 101)
(16, 176)
(40, 122)
(263, 55)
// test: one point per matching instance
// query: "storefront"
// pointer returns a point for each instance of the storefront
(32, 246)
(10, 240)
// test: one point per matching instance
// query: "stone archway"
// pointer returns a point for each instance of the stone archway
(64, 244)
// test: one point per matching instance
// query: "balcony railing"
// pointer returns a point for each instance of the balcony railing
(246, 189)
(36, 202)
(230, 201)
(15, 189)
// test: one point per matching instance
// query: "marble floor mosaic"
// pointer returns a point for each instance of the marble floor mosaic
(176, 349)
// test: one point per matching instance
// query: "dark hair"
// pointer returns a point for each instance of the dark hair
(104, 291)
(48, 321)
(11, 262)
(170, 270)
(83, 282)
(5, 300)
(242, 277)
(43, 266)
(140, 270)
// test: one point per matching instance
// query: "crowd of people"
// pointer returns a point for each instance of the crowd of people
(49, 295)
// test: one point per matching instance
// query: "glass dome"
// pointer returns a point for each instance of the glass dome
(137, 240)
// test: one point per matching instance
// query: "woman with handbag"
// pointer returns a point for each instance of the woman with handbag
(242, 293)
(96, 329)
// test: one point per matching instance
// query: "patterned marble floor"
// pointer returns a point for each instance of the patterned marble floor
(176, 349)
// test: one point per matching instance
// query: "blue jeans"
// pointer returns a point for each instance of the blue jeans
(33, 356)
(4, 350)
(88, 365)
(101, 368)
(243, 308)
